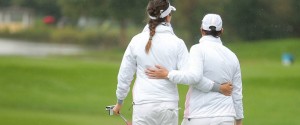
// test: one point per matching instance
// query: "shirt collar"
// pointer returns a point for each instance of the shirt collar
(163, 27)
(209, 38)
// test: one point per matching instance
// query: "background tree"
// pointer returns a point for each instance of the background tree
(77, 8)
(295, 18)
(121, 11)
(41, 7)
(189, 15)
(4, 3)
(247, 18)
(243, 19)
(127, 10)
(186, 18)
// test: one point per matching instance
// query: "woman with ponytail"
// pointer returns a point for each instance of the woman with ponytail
(155, 101)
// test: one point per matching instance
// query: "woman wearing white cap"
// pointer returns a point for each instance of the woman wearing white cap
(155, 101)
(217, 63)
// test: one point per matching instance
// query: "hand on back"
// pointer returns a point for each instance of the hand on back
(226, 88)
(159, 72)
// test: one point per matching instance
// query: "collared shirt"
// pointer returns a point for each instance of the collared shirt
(216, 62)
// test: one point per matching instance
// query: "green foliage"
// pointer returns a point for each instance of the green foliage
(187, 18)
(39, 33)
(242, 19)
(4, 3)
(248, 22)
(295, 19)
(77, 8)
(261, 19)
(121, 10)
(41, 7)
(87, 37)
(103, 35)
(128, 9)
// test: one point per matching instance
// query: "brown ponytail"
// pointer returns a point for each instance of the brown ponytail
(153, 9)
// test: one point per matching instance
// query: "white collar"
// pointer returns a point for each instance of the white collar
(163, 27)
(210, 38)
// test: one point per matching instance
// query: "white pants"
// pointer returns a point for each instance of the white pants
(164, 113)
(209, 121)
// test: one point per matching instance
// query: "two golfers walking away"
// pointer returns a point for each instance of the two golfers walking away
(155, 101)
(217, 63)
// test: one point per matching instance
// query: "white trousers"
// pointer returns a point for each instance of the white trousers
(164, 113)
(209, 121)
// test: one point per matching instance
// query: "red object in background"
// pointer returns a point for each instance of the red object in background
(49, 20)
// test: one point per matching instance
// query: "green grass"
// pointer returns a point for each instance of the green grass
(74, 90)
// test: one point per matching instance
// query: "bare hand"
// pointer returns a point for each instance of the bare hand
(238, 122)
(128, 123)
(158, 73)
(226, 88)
(117, 109)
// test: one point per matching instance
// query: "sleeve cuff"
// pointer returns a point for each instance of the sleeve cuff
(168, 76)
(216, 87)
(241, 117)
(120, 101)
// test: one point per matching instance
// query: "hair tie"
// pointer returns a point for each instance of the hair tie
(150, 38)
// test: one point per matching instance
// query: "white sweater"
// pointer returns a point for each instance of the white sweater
(166, 50)
(211, 59)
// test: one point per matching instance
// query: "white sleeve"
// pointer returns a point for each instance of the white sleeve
(182, 56)
(237, 94)
(206, 85)
(126, 73)
(192, 73)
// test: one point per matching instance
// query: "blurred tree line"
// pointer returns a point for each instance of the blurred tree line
(244, 20)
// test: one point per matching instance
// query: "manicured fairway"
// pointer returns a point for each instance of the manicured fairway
(59, 90)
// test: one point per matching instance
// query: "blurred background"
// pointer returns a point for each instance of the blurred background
(59, 59)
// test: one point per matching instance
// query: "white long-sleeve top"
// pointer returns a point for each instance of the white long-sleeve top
(216, 62)
(167, 50)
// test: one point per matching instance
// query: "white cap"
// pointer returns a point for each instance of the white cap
(164, 13)
(212, 20)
